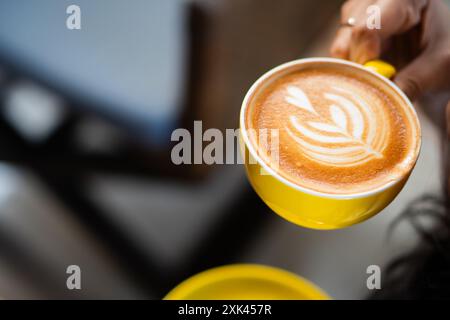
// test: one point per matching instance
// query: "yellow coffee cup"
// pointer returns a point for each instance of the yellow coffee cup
(310, 208)
(246, 282)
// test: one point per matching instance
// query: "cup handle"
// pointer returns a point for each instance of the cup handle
(381, 67)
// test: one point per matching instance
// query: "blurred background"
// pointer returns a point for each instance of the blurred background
(85, 172)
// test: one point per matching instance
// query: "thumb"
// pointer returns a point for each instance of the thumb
(417, 77)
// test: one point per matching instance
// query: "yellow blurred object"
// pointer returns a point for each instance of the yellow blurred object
(246, 282)
(381, 67)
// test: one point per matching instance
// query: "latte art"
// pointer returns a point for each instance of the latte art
(339, 132)
(348, 135)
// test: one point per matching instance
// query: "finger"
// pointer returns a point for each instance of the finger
(341, 44)
(365, 45)
(398, 16)
(417, 77)
(395, 18)
(354, 9)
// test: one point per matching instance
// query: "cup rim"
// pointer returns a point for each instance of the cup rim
(285, 181)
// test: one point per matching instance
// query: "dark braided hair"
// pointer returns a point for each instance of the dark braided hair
(424, 272)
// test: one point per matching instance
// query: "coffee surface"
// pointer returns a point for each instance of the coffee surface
(338, 132)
